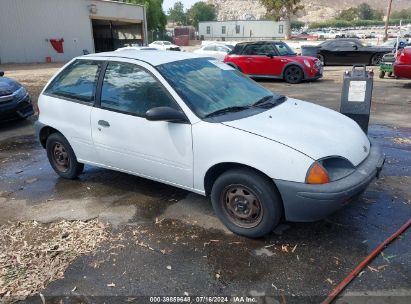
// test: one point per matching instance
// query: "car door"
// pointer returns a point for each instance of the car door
(256, 59)
(126, 140)
(66, 105)
(346, 52)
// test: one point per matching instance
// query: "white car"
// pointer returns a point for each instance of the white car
(216, 50)
(164, 45)
(196, 123)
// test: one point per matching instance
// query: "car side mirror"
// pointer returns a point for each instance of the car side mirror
(1, 73)
(271, 55)
(166, 114)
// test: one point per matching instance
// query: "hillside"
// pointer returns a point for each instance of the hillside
(315, 10)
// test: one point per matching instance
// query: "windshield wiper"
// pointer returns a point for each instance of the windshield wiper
(227, 110)
(270, 101)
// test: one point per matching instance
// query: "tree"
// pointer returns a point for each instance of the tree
(156, 19)
(403, 14)
(365, 12)
(348, 14)
(177, 15)
(282, 10)
(201, 11)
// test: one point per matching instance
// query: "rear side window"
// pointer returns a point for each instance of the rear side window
(78, 81)
(210, 48)
(130, 89)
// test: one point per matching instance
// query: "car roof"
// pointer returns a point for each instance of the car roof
(260, 42)
(153, 57)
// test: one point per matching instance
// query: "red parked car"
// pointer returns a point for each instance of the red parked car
(273, 59)
(402, 66)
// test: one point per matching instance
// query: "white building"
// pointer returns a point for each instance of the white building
(242, 29)
(58, 30)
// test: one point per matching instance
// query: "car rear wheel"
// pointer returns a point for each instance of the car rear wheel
(376, 59)
(62, 158)
(293, 74)
(246, 202)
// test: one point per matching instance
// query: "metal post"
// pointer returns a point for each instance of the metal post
(387, 20)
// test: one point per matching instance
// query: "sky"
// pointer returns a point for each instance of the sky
(170, 3)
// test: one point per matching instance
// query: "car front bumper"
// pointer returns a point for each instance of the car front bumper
(11, 109)
(307, 203)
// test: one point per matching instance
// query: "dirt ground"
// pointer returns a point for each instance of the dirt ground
(167, 242)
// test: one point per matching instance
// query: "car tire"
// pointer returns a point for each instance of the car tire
(376, 59)
(390, 74)
(293, 74)
(382, 74)
(246, 202)
(62, 158)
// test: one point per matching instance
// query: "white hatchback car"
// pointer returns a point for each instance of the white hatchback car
(165, 46)
(198, 124)
(215, 50)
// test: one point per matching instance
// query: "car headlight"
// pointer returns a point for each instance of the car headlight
(20, 93)
(328, 169)
(307, 63)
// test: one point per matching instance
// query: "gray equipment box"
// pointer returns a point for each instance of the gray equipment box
(357, 94)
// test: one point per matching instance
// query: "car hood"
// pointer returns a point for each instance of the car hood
(8, 86)
(313, 130)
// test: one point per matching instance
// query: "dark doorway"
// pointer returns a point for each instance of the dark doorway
(111, 35)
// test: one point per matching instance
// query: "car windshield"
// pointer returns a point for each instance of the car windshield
(166, 43)
(283, 49)
(209, 86)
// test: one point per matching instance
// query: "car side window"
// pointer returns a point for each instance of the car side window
(220, 48)
(281, 49)
(130, 89)
(258, 49)
(209, 48)
(78, 81)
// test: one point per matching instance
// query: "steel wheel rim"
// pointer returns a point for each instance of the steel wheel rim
(60, 157)
(293, 74)
(376, 60)
(241, 206)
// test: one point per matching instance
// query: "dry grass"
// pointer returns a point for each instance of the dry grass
(33, 254)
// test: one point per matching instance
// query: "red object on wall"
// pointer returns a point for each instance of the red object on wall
(57, 45)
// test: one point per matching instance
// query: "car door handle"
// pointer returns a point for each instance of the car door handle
(103, 123)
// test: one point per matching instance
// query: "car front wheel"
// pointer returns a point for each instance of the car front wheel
(376, 59)
(62, 158)
(293, 74)
(246, 202)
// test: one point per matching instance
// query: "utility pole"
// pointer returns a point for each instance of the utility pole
(387, 20)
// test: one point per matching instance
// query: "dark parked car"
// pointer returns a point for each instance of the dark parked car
(15, 102)
(346, 51)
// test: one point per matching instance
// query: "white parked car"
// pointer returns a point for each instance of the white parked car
(165, 46)
(216, 50)
(198, 124)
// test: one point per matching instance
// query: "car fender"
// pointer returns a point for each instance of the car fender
(294, 63)
(215, 143)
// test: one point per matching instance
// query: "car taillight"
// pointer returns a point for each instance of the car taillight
(317, 175)
(37, 109)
